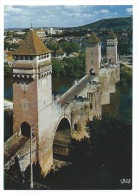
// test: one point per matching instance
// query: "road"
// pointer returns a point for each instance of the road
(70, 94)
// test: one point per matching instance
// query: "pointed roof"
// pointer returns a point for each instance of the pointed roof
(31, 45)
(93, 39)
(112, 35)
(59, 51)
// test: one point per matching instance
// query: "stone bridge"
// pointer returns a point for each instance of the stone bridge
(74, 108)
(53, 121)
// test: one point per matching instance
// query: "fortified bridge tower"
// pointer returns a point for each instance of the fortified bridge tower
(111, 49)
(93, 54)
(32, 88)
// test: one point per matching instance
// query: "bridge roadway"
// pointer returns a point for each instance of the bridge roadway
(75, 90)
(13, 145)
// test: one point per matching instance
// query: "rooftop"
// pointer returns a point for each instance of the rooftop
(111, 35)
(93, 39)
(31, 45)
(59, 51)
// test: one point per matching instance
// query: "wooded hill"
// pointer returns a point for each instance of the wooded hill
(115, 24)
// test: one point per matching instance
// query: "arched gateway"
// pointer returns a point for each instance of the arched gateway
(62, 139)
(25, 129)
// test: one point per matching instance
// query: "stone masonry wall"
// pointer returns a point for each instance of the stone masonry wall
(25, 103)
(93, 58)
(104, 77)
(111, 51)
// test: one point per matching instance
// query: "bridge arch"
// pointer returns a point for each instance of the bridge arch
(63, 120)
(62, 138)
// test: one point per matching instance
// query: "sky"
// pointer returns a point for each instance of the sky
(61, 16)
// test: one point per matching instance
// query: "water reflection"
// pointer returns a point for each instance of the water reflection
(59, 85)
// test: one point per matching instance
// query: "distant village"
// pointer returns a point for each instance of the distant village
(64, 42)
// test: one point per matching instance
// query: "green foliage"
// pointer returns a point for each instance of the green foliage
(52, 45)
(10, 46)
(19, 36)
(69, 47)
(80, 150)
(71, 67)
(9, 33)
(116, 24)
(124, 46)
(6, 45)
(7, 71)
(98, 162)
(125, 75)
(111, 141)
(26, 30)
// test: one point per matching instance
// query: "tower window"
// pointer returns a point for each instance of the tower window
(75, 127)
(21, 57)
(26, 57)
(16, 57)
(24, 86)
(31, 57)
(90, 105)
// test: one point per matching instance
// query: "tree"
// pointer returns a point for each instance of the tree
(9, 46)
(7, 71)
(69, 47)
(80, 151)
(57, 67)
(52, 45)
(71, 67)
(111, 141)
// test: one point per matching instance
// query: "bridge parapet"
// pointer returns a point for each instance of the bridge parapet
(18, 147)
(74, 86)
(57, 104)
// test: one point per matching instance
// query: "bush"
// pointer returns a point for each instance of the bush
(71, 67)
(7, 71)
(125, 75)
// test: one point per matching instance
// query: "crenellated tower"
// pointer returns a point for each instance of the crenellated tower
(111, 48)
(93, 54)
(32, 87)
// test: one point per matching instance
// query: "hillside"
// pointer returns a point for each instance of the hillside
(116, 24)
